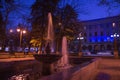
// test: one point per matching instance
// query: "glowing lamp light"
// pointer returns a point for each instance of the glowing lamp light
(18, 30)
(11, 30)
(80, 38)
(0, 48)
(111, 35)
(117, 35)
(24, 31)
(113, 24)
(114, 35)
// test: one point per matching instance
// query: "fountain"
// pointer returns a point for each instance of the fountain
(63, 63)
(48, 58)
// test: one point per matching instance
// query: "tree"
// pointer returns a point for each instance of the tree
(64, 19)
(8, 9)
(2, 32)
(69, 25)
(39, 18)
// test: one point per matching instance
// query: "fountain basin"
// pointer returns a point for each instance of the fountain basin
(47, 58)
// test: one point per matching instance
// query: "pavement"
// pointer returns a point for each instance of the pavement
(108, 69)
(6, 57)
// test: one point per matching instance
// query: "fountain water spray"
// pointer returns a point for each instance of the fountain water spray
(50, 33)
(63, 63)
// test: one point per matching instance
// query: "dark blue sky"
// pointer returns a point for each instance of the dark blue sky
(93, 11)
(90, 7)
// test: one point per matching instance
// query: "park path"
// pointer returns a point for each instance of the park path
(16, 59)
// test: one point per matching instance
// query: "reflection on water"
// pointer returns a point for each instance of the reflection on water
(29, 76)
(34, 73)
(19, 77)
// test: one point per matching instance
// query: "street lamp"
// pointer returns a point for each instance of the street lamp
(80, 48)
(115, 36)
(21, 31)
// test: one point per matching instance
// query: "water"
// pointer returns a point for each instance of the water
(64, 59)
(50, 33)
(63, 63)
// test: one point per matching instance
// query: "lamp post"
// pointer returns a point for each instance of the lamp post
(11, 44)
(115, 36)
(80, 48)
(21, 31)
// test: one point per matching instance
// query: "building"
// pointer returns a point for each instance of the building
(99, 34)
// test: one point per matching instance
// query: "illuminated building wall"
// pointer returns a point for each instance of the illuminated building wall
(97, 33)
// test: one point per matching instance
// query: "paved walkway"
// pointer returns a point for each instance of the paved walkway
(16, 59)
(108, 69)
(6, 57)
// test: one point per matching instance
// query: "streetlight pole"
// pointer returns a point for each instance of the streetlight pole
(20, 38)
(80, 47)
(21, 35)
(115, 36)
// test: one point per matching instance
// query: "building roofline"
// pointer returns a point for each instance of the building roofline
(105, 18)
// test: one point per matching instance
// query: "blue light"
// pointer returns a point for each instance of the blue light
(111, 39)
(99, 39)
(105, 40)
(93, 39)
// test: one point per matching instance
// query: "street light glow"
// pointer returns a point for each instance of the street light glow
(117, 35)
(11, 30)
(18, 30)
(113, 24)
(114, 35)
(24, 31)
(111, 35)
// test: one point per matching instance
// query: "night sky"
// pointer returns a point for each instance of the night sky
(90, 7)
(93, 11)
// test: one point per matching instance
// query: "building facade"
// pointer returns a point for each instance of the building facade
(99, 34)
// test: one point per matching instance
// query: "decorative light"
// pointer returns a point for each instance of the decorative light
(18, 30)
(113, 24)
(24, 31)
(117, 35)
(78, 38)
(114, 35)
(111, 35)
(81, 38)
(11, 30)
